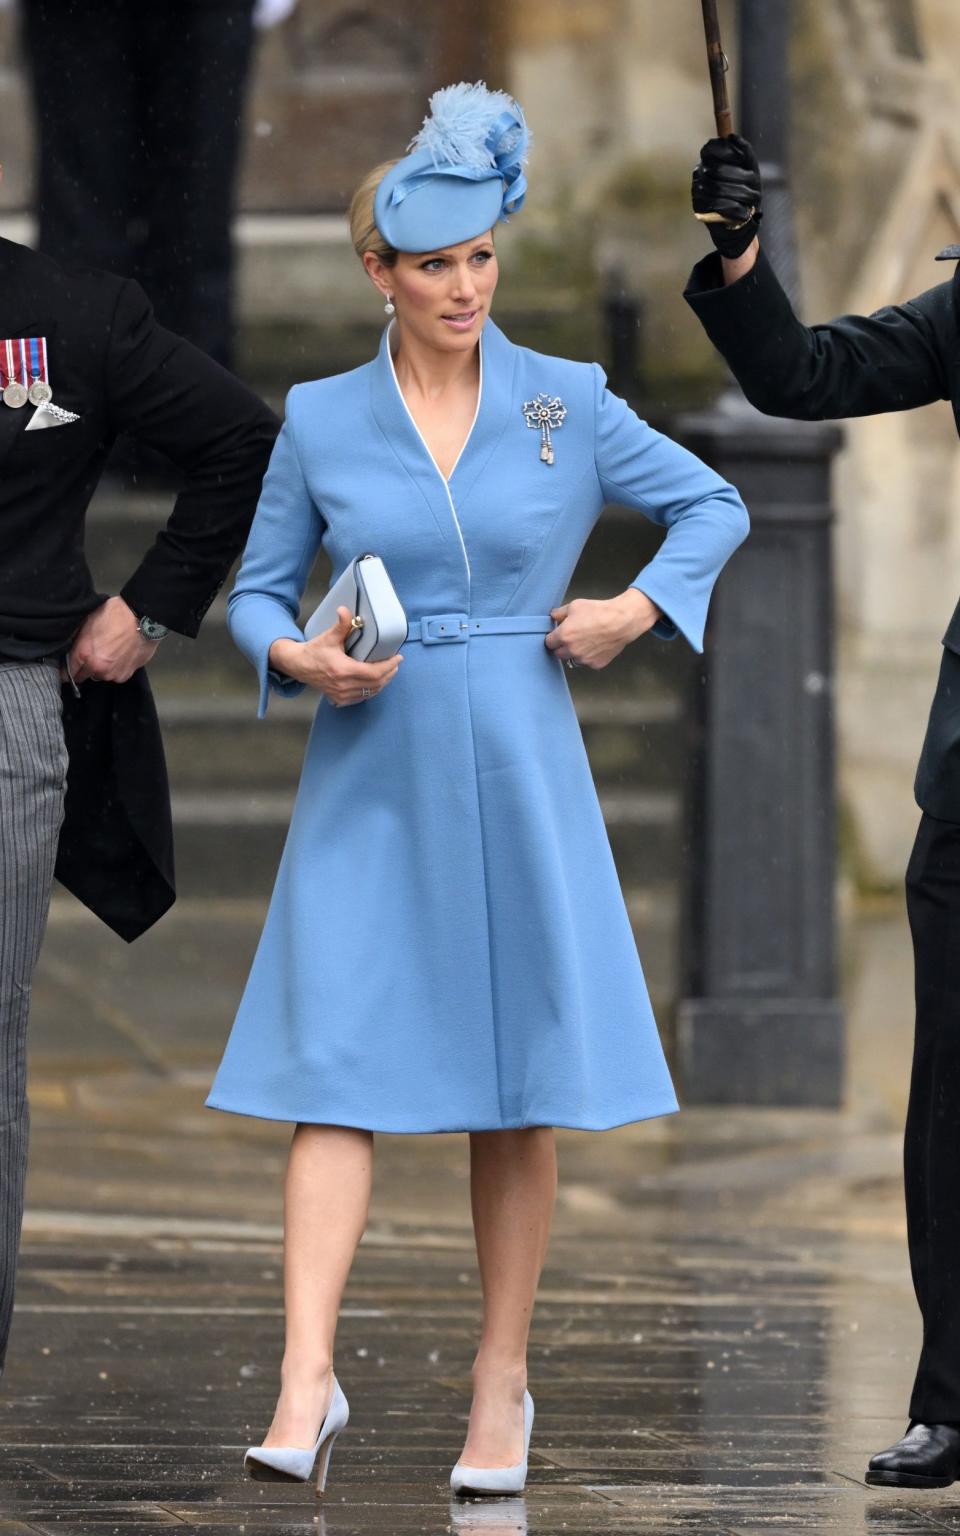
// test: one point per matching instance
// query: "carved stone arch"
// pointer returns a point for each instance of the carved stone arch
(877, 30)
(358, 37)
(901, 23)
(343, 84)
(16, 149)
(898, 540)
(8, 37)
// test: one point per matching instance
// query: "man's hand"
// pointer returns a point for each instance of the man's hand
(109, 647)
(727, 181)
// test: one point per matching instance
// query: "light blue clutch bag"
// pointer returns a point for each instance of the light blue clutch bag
(379, 621)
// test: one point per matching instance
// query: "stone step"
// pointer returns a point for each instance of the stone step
(234, 777)
(220, 740)
(121, 526)
(211, 668)
(648, 681)
(229, 843)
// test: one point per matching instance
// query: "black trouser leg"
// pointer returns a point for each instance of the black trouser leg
(932, 1140)
(139, 110)
(83, 80)
(191, 116)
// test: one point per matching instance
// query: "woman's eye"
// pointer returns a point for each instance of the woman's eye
(482, 257)
(433, 266)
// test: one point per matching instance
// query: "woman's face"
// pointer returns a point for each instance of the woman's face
(442, 297)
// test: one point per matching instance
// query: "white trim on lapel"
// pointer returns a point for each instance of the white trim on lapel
(445, 479)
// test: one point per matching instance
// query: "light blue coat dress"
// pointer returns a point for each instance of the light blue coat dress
(447, 947)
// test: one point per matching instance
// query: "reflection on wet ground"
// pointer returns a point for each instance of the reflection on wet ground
(725, 1332)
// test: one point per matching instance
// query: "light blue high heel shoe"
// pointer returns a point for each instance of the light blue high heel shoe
(468, 1480)
(291, 1464)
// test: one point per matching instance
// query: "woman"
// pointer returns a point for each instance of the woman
(447, 947)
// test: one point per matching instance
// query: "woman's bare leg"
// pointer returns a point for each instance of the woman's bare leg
(513, 1185)
(326, 1198)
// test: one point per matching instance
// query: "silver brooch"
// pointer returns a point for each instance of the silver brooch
(544, 415)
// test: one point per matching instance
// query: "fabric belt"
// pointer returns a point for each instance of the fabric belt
(458, 628)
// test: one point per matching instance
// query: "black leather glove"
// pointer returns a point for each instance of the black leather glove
(727, 181)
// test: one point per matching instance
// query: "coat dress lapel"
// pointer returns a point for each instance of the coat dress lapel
(497, 367)
(495, 412)
(399, 429)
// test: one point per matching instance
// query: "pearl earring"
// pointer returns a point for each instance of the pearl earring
(389, 308)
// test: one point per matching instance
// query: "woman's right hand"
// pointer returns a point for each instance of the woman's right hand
(323, 664)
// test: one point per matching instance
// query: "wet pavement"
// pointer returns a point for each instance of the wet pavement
(725, 1330)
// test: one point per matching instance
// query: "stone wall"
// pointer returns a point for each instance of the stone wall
(878, 193)
(877, 177)
(617, 96)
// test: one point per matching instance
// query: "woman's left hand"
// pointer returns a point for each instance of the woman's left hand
(592, 633)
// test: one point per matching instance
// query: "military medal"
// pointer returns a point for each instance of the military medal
(24, 372)
(544, 415)
(39, 392)
(13, 375)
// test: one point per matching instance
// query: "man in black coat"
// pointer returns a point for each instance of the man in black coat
(82, 359)
(904, 356)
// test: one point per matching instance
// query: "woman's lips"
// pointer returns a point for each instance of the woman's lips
(462, 321)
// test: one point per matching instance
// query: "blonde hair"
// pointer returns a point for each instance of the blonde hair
(363, 227)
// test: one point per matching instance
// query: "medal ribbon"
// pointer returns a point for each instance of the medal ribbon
(23, 361)
(16, 363)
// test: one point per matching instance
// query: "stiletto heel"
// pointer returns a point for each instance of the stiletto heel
(468, 1480)
(324, 1462)
(294, 1464)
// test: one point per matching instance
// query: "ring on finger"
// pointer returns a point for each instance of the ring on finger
(571, 663)
(366, 693)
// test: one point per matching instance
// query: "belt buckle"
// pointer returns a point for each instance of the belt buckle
(445, 629)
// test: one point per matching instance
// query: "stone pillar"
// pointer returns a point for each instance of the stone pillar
(764, 119)
(759, 1021)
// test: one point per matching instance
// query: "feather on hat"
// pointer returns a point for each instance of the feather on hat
(463, 174)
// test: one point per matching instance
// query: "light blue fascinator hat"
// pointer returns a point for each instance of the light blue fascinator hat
(464, 171)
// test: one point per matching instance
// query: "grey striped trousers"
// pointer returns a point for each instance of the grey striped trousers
(33, 770)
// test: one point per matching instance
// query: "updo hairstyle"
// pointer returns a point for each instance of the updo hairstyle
(363, 229)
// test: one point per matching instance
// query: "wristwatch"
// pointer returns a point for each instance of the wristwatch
(150, 629)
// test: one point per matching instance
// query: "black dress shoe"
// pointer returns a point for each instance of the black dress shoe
(928, 1456)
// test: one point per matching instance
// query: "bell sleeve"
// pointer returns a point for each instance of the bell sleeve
(704, 516)
(265, 602)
